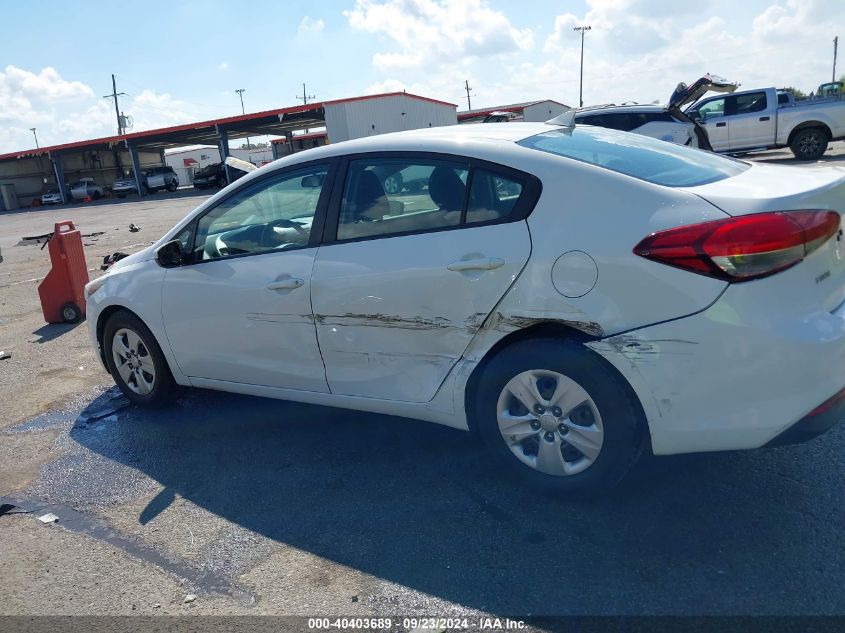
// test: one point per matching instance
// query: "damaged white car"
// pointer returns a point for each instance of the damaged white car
(574, 295)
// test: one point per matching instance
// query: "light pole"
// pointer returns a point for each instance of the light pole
(583, 30)
(241, 92)
(32, 129)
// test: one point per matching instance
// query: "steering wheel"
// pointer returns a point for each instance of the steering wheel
(220, 248)
(289, 224)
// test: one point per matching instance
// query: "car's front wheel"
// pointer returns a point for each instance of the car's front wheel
(559, 415)
(136, 361)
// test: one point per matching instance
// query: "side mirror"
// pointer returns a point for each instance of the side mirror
(170, 255)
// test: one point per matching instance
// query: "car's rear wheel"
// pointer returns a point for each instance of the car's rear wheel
(172, 186)
(136, 361)
(809, 144)
(559, 415)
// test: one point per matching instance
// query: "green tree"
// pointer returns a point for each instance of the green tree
(795, 92)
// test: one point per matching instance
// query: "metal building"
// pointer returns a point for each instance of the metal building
(25, 175)
(532, 111)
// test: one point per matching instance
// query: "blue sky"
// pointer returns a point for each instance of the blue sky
(182, 61)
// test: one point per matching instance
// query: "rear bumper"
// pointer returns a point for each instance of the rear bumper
(728, 379)
(820, 420)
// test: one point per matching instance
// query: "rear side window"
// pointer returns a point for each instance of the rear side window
(754, 102)
(642, 157)
(491, 197)
(417, 194)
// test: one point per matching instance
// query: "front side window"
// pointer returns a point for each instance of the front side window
(389, 196)
(273, 215)
(712, 109)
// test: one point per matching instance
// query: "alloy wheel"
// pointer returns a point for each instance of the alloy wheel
(133, 361)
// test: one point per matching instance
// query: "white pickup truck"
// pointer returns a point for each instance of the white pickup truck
(754, 119)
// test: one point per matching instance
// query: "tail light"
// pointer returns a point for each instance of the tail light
(742, 248)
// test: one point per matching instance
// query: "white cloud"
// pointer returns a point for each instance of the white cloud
(309, 26)
(47, 85)
(438, 31)
(223, 66)
(65, 111)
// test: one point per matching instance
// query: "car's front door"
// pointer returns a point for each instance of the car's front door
(711, 115)
(240, 310)
(413, 273)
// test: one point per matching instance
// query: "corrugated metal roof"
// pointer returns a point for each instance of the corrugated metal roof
(513, 107)
(266, 122)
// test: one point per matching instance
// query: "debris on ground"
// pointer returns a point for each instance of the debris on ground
(134, 228)
(156, 605)
(48, 518)
(108, 260)
(189, 598)
(4, 355)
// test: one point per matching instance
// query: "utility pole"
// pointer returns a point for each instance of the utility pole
(241, 92)
(835, 48)
(469, 103)
(114, 95)
(583, 30)
(305, 97)
(32, 129)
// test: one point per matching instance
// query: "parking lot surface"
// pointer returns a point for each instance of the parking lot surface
(238, 505)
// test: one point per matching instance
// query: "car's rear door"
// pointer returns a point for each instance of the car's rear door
(404, 280)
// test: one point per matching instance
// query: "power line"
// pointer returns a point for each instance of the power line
(305, 97)
(583, 30)
(241, 92)
(115, 94)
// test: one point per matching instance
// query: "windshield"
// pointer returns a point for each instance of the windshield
(649, 159)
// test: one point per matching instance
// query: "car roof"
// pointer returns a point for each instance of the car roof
(444, 139)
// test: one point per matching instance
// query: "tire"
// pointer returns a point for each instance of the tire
(393, 183)
(154, 387)
(609, 425)
(70, 312)
(809, 143)
(221, 182)
(172, 186)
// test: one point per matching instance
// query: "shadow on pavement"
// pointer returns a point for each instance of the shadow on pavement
(53, 331)
(418, 504)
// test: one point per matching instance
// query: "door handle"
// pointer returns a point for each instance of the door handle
(285, 284)
(764, 118)
(722, 124)
(485, 263)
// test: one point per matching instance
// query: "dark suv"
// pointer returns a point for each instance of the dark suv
(214, 175)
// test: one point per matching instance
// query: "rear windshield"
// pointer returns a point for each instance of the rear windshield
(649, 159)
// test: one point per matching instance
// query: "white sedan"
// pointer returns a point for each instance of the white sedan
(574, 295)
